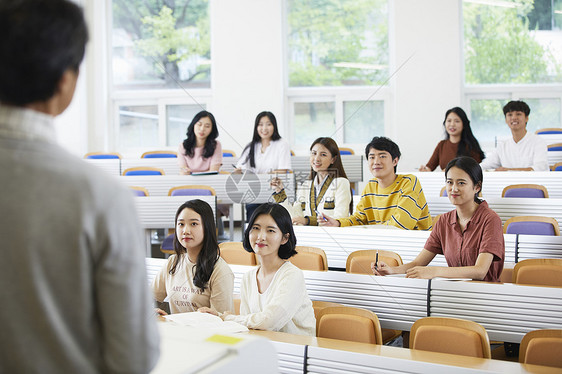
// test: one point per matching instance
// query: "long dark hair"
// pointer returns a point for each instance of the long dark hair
(468, 142)
(256, 137)
(470, 167)
(283, 220)
(210, 142)
(210, 252)
(336, 169)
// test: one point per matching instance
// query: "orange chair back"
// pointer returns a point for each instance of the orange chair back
(359, 262)
(235, 254)
(450, 335)
(538, 272)
(310, 258)
(542, 347)
(351, 324)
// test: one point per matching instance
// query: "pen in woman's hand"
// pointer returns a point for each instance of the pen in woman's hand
(377, 260)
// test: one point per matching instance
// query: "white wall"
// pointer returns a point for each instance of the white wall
(247, 66)
(431, 81)
(248, 72)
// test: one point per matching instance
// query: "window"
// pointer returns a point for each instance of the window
(160, 46)
(140, 125)
(159, 50)
(337, 58)
(512, 52)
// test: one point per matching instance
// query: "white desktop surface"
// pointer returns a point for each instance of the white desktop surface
(186, 350)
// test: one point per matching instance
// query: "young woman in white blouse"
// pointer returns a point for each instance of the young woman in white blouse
(325, 192)
(266, 153)
(273, 294)
(195, 276)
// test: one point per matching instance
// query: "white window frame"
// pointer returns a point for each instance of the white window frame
(510, 92)
(159, 98)
(337, 95)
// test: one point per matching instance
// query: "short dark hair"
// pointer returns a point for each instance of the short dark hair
(283, 220)
(470, 167)
(516, 106)
(41, 39)
(383, 144)
(191, 140)
(210, 251)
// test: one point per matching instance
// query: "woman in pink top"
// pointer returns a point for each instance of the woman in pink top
(470, 236)
(200, 151)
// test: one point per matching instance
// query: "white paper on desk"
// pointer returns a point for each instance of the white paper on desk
(452, 279)
(206, 321)
(401, 275)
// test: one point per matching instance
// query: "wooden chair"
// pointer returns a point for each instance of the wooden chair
(525, 190)
(139, 191)
(228, 153)
(102, 155)
(531, 225)
(549, 130)
(319, 305)
(347, 323)
(344, 151)
(359, 262)
(310, 258)
(143, 170)
(450, 335)
(557, 166)
(542, 347)
(160, 154)
(554, 147)
(235, 254)
(538, 272)
(192, 190)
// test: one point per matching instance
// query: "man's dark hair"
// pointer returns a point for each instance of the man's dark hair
(516, 106)
(383, 144)
(41, 39)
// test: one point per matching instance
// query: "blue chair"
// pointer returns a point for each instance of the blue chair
(557, 166)
(143, 170)
(228, 153)
(159, 154)
(547, 131)
(167, 245)
(555, 147)
(139, 191)
(525, 190)
(102, 155)
(531, 225)
(443, 192)
(192, 190)
(346, 151)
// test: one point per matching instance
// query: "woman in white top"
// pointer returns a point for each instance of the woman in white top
(267, 152)
(273, 294)
(327, 190)
(200, 151)
(196, 276)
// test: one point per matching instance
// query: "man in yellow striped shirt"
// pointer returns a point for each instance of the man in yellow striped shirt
(389, 199)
